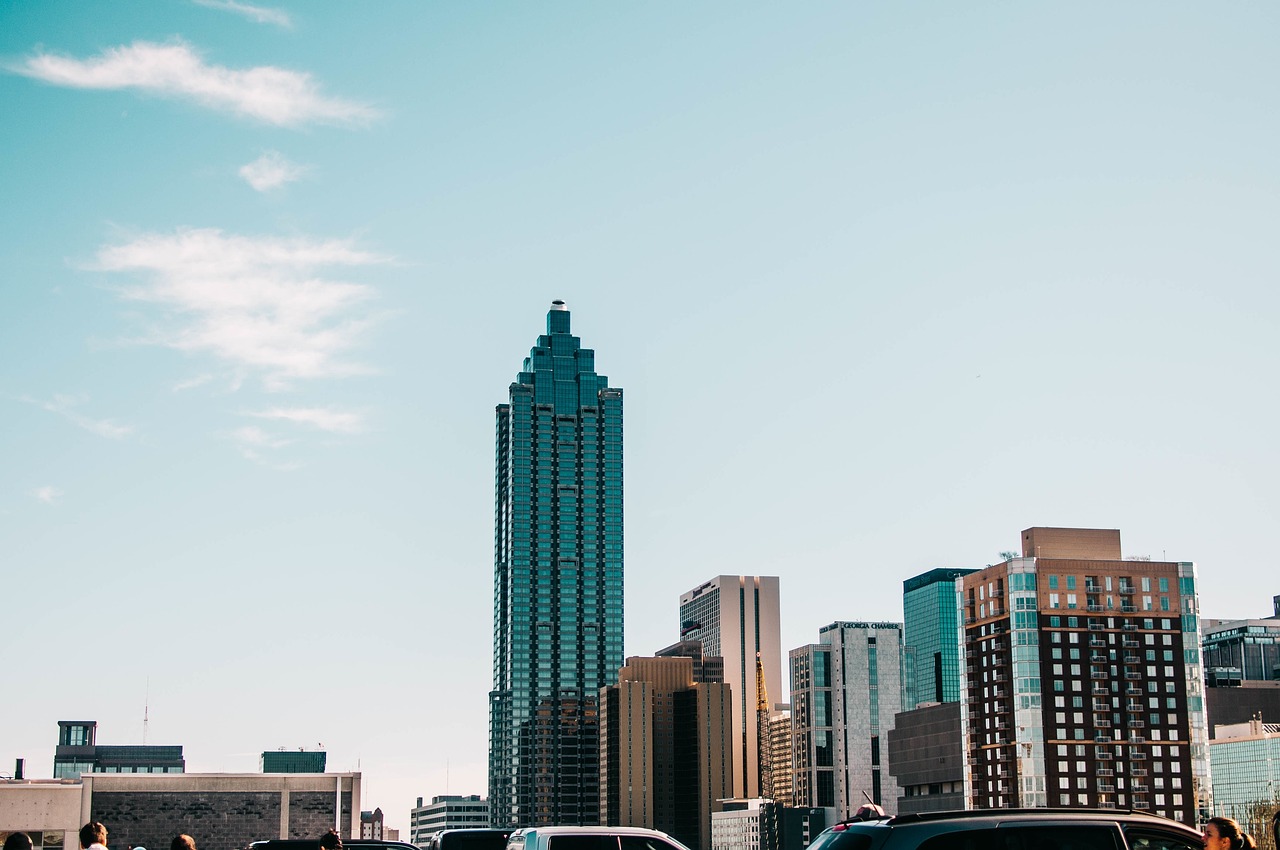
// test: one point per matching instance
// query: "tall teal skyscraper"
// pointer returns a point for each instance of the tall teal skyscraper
(557, 582)
(931, 629)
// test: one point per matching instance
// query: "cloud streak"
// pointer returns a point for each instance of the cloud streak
(65, 406)
(257, 304)
(258, 14)
(326, 419)
(266, 93)
(270, 171)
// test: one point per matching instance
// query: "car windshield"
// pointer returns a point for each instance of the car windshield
(844, 839)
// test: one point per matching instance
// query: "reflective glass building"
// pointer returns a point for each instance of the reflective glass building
(930, 629)
(557, 582)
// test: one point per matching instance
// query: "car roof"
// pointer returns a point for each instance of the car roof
(589, 830)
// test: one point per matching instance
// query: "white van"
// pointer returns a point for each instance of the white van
(591, 838)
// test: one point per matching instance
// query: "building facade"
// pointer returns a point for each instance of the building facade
(736, 618)
(1246, 774)
(929, 628)
(146, 810)
(780, 768)
(1082, 680)
(294, 761)
(558, 584)
(759, 824)
(665, 750)
(447, 812)
(845, 692)
(926, 758)
(78, 752)
(1243, 650)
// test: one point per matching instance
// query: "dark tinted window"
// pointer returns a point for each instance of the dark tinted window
(1056, 836)
(466, 839)
(844, 840)
(644, 842)
(1156, 839)
(582, 842)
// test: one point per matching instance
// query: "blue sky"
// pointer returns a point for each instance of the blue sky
(884, 284)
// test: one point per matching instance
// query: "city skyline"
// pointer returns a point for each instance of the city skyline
(883, 286)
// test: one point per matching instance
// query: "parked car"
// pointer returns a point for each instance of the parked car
(314, 844)
(591, 838)
(1013, 829)
(469, 839)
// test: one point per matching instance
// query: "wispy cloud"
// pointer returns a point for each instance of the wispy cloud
(65, 406)
(48, 495)
(271, 171)
(274, 95)
(326, 419)
(261, 447)
(192, 383)
(257, 304)
(252, 435)
(259, 14)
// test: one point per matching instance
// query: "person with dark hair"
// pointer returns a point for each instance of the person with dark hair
(93, 836)
(17, 841)
(331, 840)
(1226, 834)
(182, 842)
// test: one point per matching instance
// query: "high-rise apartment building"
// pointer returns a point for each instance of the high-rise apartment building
(845, 691)
(665, 751)
(736, 618)
(456, 811)
(557, 589)
(929, 628)
(1082, 680)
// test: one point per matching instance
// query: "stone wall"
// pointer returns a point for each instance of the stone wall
(217, 820)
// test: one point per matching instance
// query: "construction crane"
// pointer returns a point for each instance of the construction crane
(764, 753)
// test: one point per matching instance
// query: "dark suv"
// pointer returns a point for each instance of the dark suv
(1013, 829)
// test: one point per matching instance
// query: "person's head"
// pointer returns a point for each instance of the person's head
(182, 842)
(1226, 834)
(93, 833)
(17, 841)
(331, 840)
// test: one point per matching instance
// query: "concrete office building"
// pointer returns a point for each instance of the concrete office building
(1082, 680)
(930, 630)
(737, 617)
(706, 668)
(557, 606)
(147, 809)
(78, 752)
(926, 758)
(1242, 650)
(447, 812)
(845, 691)
(665, 749)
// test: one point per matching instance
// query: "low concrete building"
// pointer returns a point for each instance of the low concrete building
(470, 811)
(220, 810)
(760, 824)
(926, 758)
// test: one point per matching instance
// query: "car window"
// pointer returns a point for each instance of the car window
(582, 842)
(644, 842)
(845, 839)
(1056, 836)
(1156, 839)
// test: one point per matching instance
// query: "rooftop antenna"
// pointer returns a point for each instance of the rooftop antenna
(146, 711)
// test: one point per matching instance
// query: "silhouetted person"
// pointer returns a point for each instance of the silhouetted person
(17, 841)
(182, 842)
(93, 836)
(331, 840)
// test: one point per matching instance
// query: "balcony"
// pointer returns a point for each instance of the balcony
(1132, 674)
(1132, 659)
(1137, 724)
(1132, 690)
(1136, 739)
(1138, 787)
(1096, 626)
(1141, 803)
(1102, 724)
(1137, 756)
(1131, 643)
(1104, 755)
(1106, 788)
(1106, 804)
(1097, 609)
(1102, 706)
(1130, 627)
(1092, 588)
(1101, 739)
(1100, 690)
(1098, 674)
(1129, 609)
(1127, 590)
(1133, 707)
(1137, 772)
(1105, 772)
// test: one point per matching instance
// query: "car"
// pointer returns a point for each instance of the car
(591, 838)
(1012, 829)
(314, 844)
(469, 839)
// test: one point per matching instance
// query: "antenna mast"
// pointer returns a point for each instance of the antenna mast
(146, 711)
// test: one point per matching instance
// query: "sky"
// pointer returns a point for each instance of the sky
(884, 284)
